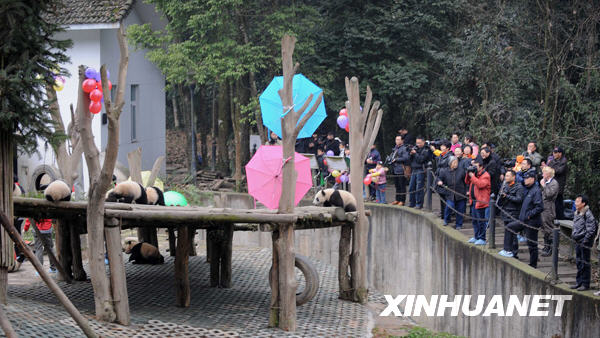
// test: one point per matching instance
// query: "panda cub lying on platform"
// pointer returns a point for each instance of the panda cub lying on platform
(142, 253)
(336, 198)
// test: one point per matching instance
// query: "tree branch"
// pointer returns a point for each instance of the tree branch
(369, 129)
(366, 108)
(308, 115)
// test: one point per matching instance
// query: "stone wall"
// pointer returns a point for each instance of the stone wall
(411, 253)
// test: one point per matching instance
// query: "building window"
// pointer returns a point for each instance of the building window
(134, 104)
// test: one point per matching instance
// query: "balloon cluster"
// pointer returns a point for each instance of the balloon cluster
(342, 120)
(59, 82)
(93, 86)
(339, 177)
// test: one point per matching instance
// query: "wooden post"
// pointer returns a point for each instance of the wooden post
(78, 271)
(220, 250)
(6, 206)
(101, 175)
(182, 280)
(65, 254)
(117, 274)
(172, 241)
(345, 285)
(192, 234)
(51, 257)
(364, 126)
(283, 297)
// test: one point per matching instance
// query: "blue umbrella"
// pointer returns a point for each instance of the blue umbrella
(272, 108)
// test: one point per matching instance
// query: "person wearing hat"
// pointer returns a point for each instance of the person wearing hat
(480, 188)
(558, 162)
(530, 220)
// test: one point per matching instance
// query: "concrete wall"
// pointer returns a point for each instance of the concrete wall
(411, 253)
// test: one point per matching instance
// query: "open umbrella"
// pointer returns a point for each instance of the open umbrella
(272, 108)
(265, 176)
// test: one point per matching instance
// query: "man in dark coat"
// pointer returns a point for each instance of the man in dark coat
(510, 200)
(454, 189)
(331, 144)
(400, 158)
(584, 232)
(558, 162)
(492, 167)
(419, 156)
(530, 220)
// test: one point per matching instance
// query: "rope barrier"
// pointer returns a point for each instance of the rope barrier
(493, 203)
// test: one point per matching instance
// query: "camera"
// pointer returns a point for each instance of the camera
(472, 169)
(509, 163)
(436, 143)
(389, 160)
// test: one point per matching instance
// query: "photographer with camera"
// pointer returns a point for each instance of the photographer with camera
(530, 220)
(480, 187)
(399, 160)
(510, 200)
(419, 156)
(453, 178)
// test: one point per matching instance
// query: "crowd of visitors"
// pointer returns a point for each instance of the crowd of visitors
(526, 190)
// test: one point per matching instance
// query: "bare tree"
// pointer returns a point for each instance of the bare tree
(283, 280)
(364, 126)
(110, 296)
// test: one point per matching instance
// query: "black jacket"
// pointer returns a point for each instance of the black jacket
(493, 168)
(420, 158)
(560, 172)
(455, 181)
(400, 156)
(442, 162)
(511, 203)
(584, 227)
(464, 163)
(332, 145)
(533, 206)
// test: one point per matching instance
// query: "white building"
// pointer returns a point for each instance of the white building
(92, 26)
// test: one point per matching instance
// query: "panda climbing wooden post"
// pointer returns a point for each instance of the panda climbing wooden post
(283, 279)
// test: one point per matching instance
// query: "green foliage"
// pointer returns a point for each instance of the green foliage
(29, 55)
(421, 332)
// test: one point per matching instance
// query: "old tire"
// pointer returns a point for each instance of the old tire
(35, 184)
(310, 277)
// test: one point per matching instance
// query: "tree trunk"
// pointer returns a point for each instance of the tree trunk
(224, 129)
(6, 205)
(182, 279)
(175, 110)
(237, 139)
(78, 271)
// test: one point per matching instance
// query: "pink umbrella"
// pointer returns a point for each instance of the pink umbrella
(264, 174)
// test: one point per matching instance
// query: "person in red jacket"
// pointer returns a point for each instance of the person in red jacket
(480, 188)
(43, 242)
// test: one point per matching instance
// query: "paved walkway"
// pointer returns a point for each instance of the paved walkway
(237, 312)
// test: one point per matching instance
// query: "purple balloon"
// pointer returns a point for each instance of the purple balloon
(342, 121)
(344, 178)
(329, 152)
(97, 77)
(91, 73)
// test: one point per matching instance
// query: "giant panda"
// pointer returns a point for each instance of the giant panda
(338, 198)
(155, 196)
(57, 191)
(17, 190)
(142, 253)
(128, 192)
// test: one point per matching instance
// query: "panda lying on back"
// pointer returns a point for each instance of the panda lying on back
(142, 253)
(337, 198)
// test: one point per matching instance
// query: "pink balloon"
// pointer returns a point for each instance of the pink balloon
(95, 107)
(343, 112)
(367, 180)
(342, 121)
